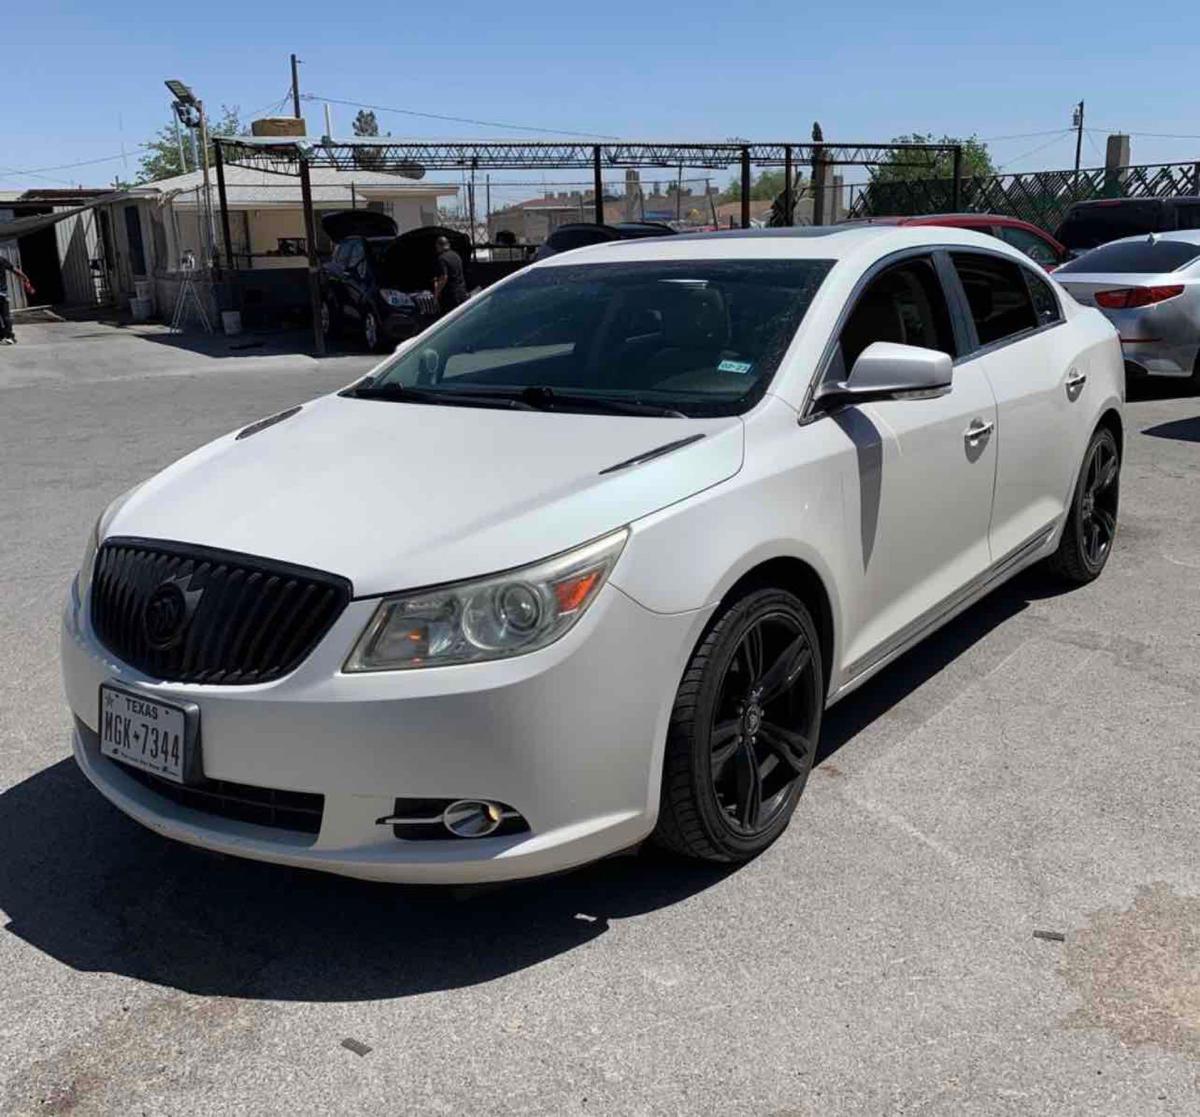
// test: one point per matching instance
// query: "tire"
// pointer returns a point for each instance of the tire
(371, 333)
(331, 319)
(718, 753)
(1091, 525)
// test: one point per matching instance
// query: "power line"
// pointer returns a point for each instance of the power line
(1021, 136)
(1152, 135)
(1041, 147)
(1095, 146)
(458, 119)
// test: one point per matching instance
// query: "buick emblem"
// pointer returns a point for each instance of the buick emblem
(167, 612)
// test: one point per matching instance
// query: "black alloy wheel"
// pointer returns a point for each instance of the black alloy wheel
(744, 730)
(1091, 526)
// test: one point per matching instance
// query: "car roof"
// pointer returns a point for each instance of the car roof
(804, 242)
(1187, 236)
(963, 220)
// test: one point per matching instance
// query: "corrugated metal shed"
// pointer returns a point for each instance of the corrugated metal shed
(78, 244)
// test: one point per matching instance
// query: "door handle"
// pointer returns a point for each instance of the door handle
(978, 430)
(1076, 379)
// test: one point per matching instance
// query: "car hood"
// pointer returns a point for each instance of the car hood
(401, 495)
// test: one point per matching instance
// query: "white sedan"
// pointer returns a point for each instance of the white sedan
(584, 563)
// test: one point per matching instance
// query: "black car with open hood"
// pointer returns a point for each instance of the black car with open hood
(379, 283)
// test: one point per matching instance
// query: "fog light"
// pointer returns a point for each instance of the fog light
(469, 818)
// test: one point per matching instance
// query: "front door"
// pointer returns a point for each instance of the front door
(926, 467)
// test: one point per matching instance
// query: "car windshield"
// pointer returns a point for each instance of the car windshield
(691, 337)
(1146, 256)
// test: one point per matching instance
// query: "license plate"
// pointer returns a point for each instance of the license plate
(157, 737)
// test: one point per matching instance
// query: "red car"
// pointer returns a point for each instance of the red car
(1036, 243)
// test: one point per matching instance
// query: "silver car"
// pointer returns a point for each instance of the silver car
(1149, 288)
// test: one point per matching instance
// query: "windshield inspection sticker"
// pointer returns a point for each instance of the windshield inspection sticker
(741, 367)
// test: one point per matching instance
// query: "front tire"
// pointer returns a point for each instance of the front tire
(1091, 525)
(744, 730)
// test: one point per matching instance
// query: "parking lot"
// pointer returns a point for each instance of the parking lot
(989, 900)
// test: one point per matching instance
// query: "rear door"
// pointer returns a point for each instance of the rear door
(1021, 346)
(926, 466)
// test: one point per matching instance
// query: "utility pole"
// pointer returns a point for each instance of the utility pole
(1077, 121)
(210, 222)
(295, 87)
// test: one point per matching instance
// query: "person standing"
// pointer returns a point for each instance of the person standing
(7, 337)
(449, 282)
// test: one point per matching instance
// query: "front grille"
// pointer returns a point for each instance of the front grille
(239, 619)
(264, 806)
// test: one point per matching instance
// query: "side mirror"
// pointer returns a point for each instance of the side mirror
(885, 370)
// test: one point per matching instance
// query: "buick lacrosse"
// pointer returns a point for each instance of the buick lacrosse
(583, 563)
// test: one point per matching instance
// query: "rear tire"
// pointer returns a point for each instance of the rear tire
(1091, 525)
(371, 333)
(744, 730)
(331, 322)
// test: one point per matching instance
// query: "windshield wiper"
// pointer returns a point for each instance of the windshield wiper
(545, 398)
(402, 393)
(537, 397)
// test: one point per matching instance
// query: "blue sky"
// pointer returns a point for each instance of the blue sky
(83, 80)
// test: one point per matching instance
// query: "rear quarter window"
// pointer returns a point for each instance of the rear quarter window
(1144, 256)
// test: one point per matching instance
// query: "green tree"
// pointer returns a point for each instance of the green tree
(908, 166)
(768, 186)
(365, 123)
(161, 155)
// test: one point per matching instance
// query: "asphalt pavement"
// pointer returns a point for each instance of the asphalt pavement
(988, 902)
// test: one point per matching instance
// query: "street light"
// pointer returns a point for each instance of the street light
(181, 92)
(190, 111)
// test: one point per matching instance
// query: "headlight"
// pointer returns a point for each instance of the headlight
(491, 618)
(396, 298)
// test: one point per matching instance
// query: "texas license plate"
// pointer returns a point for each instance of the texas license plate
(158, 737)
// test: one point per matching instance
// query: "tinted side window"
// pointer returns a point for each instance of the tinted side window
(997, 295)
(1031, 244)
(1045, 302)
(1187, 215)
(356, 258)
(904, 304)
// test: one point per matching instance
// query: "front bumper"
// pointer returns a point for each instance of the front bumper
(570, 736)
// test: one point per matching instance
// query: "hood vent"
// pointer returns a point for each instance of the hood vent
(269, 421)
(650, 455)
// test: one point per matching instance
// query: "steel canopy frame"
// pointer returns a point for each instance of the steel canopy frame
(283, 155)
(412, 158)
